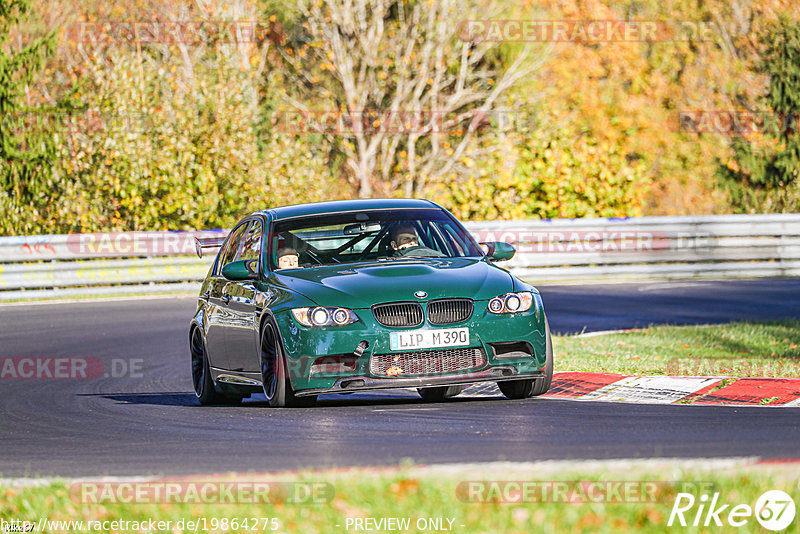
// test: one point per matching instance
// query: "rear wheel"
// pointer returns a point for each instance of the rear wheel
(274, 375)
(204, 388)
(520, 389)
(439, 393)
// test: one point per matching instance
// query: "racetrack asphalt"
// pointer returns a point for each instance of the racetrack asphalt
(150, 424)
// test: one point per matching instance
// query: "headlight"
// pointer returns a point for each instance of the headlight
(511, 302)
(324, 316)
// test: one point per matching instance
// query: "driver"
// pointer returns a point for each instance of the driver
(405, 243)
(288, 258)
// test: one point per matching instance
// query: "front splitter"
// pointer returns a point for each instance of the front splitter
(366, 383)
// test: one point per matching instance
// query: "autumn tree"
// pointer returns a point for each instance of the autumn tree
(413, 89)
(26, 151)
(764, 173)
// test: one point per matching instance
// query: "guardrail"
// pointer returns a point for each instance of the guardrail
(717, 246)
(47, 266)
(651, 247)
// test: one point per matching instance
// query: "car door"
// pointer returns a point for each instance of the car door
(242, 333)
(219, 316)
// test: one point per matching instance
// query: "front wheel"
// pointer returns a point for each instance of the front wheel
(521, 389)
(541, 385)
(516, 389)
(274, 376)
(439, 393)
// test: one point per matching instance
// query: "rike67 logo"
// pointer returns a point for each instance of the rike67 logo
(774, 510)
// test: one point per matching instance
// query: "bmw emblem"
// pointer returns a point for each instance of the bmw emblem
(420, 294)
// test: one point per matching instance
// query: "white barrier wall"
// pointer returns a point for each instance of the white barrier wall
(551, 250)
(650, 247)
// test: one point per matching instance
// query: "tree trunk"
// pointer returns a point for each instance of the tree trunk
(363, 172)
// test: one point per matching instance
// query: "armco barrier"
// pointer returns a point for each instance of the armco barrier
(49, 266)
(650, 247)
(717, 246)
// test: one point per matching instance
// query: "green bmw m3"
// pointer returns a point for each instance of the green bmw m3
(344, 296)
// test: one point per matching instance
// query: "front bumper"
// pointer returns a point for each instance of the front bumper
(303, 346)
(366, 383)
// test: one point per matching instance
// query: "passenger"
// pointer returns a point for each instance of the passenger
(288, 258)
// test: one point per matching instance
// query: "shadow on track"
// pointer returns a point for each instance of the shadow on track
(258, 401)
(155, 399)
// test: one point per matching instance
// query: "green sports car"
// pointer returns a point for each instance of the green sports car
(337, 297)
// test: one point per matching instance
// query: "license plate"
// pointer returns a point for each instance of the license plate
(429, 339)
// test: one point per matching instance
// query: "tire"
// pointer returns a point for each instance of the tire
(274, 376)
(541, 385)
(204, 388)
(516, 389)
(521, 389)
(439, 393)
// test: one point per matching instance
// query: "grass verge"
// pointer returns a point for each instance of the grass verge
(768, 349)
(433, 500)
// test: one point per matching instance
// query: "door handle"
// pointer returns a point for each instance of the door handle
(225, 299)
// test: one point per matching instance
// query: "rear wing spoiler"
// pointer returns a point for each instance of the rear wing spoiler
(208, 243)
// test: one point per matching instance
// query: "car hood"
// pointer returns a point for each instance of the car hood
(364, 284)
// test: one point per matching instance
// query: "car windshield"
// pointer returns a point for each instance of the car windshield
(379, 235)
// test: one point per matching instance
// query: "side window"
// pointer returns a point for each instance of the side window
(251, 244)
(232, 246)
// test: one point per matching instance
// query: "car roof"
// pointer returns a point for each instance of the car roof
(338, 206)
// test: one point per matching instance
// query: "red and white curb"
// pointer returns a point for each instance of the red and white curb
(720, 391)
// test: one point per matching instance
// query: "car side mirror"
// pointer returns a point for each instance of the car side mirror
(498, 251)
(241, 270)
